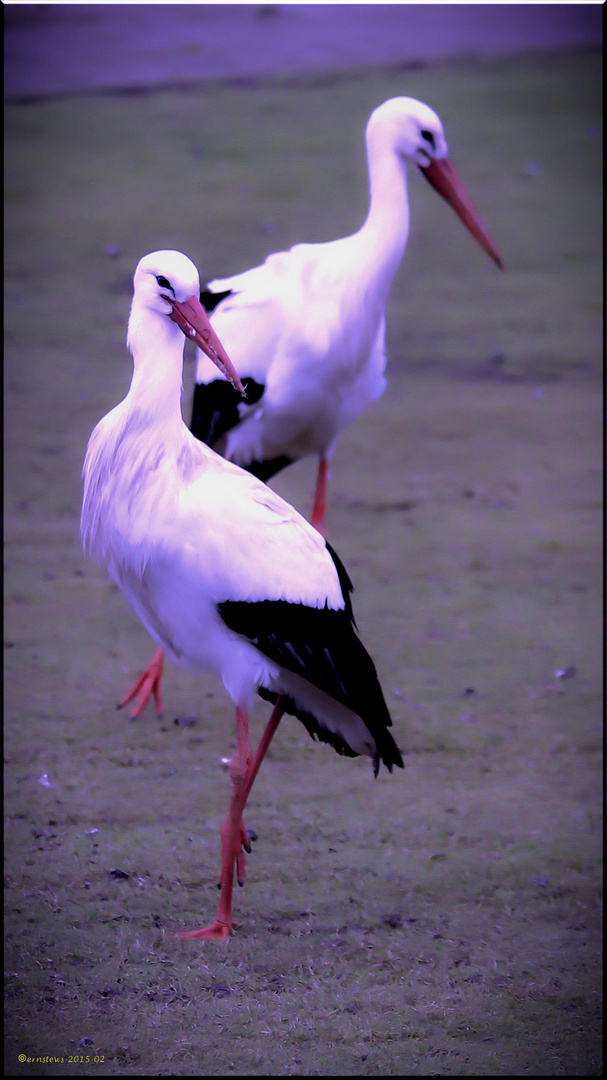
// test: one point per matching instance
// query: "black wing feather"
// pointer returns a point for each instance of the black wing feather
(265, 470)
(211, 300)
(321, 646)
(215, 406)
(312, 726)
(215, 411)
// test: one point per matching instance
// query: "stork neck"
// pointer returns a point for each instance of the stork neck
(156, 344)
(387, 224)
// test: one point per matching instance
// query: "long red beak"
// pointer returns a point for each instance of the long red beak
(444, 179)
(191, 317)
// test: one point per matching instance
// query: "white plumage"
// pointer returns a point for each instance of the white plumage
(223, 573)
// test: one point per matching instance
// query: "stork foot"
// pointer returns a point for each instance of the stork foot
(217, 931)
(148, 683)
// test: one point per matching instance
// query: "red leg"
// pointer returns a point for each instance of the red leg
(148, 683)
(243, 771)
(320, 499)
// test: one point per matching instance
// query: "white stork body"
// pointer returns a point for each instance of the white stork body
(318, 372)
(224, 574)
(306, 329)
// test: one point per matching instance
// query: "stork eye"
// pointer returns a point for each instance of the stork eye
(429, 137)
(162, 281)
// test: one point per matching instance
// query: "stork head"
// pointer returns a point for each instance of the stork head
(414, 131)
(167, 283)
(164, 276)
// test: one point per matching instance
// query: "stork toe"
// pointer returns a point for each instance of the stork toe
(148, 684)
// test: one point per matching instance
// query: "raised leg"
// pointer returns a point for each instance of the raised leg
(318, 519)
(148, 683)
(243, 771)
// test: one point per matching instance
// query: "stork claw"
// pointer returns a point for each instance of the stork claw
(148, 683)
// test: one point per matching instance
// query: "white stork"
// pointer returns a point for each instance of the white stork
(225, 575)
(306, 329)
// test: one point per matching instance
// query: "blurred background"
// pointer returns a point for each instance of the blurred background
(67, 48)
(442, 921)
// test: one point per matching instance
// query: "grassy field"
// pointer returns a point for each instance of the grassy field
(441, 921)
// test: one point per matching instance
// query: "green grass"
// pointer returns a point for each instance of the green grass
(441, 921)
